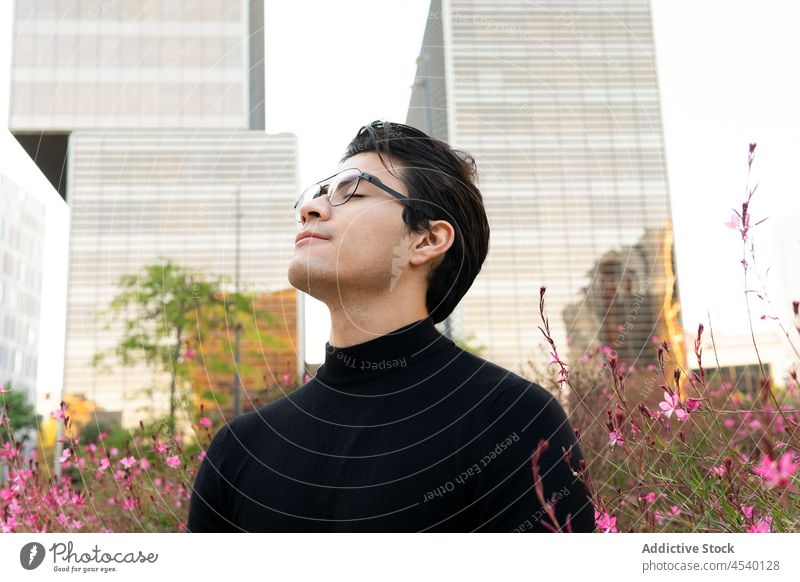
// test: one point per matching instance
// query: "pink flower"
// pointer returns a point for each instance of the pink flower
(606, 522)
(286, 378)
(562, 372)
(58, 413)
(734, 222)
(650, 497)
(189, 354)
(4, 390)
(113, 452)
(201, 456)
(747, 511)
(104, 464)
(160, 449)
(128, 462)
(65, 454)
(205, 421)
(8, 452)
(144, 464)
(129, 504)
(306, 377)
(174, 461)
(762, 526)
(616, 439)
(718, 471)
(675, 510)
(671, 404)
(692, 404)
(778, 473)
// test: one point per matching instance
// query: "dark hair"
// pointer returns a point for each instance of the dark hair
(445, 180)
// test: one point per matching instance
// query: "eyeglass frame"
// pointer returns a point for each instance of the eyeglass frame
(369, 178)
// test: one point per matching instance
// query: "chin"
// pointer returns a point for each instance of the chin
(298, 277)
(309, 281)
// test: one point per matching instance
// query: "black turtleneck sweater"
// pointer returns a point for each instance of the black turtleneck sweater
(406, 432)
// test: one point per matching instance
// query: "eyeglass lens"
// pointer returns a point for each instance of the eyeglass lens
(341, 187)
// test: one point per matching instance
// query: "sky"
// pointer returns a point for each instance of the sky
(728, 76)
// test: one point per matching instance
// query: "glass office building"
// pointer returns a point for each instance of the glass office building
(95, 64)
(148, 118)
(141, 198)
(559, 104)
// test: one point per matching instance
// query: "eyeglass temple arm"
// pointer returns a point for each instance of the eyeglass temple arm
(413, 202)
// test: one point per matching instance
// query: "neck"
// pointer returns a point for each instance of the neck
(395, 352)
(356, 326)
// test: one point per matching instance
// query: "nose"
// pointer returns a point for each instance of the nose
(316, 207)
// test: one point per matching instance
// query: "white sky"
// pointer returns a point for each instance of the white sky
(728, 75)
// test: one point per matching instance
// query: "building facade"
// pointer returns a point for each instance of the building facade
(148, 118)
(559, 104)
(21, 241)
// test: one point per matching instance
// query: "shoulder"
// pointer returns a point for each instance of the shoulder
(514, 403)
(526, 396)
(255, 424)
(505, 387)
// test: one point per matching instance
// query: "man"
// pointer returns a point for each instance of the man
(400, 430)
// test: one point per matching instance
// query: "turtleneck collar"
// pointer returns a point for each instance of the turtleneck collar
(394, 351)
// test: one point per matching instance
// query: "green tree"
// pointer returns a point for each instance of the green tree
(157, 309)
(20, 413)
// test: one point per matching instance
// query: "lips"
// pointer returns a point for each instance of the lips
(307, 234)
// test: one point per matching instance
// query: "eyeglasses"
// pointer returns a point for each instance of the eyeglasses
(340, 187)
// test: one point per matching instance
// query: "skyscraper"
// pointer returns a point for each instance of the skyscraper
(148, 117)
(559, 104)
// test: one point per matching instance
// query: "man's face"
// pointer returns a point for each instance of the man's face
(366, 247)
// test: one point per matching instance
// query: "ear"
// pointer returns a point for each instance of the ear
(431, 245)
